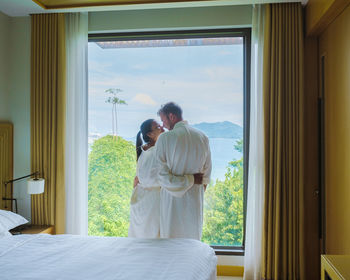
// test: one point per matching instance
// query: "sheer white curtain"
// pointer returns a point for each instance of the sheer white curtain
(255, 203)
(77, 124)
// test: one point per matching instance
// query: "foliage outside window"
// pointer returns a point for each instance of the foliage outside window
(112, 165)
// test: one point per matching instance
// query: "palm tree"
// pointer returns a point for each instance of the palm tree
(114, 100)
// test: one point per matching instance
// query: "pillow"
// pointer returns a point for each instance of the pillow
(5, 233)
(10, 220)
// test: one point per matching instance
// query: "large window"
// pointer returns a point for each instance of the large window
(130, 77)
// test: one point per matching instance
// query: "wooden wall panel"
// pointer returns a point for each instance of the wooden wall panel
(311, 206)
(6, 163)
(320, 13)
(334, 45)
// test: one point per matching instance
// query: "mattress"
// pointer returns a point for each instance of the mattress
(43, 256)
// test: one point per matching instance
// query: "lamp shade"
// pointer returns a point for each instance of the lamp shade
(35, 186)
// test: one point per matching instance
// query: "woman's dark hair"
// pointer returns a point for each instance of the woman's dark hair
(145, 128)
(170, 107)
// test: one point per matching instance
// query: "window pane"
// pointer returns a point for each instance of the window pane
(205, 77)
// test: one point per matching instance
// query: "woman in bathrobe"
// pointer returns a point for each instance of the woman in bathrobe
(145, 203)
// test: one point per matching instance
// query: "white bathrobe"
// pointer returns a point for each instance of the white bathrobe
(145, 204)
(180, 151)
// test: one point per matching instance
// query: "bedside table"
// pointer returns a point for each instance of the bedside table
(33, 229)
(335, 267)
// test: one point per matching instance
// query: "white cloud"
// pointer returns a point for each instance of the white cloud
(100, 67)
(144, 99)
(221, 73)
(225, 52)
(207, 91)
(139, 67)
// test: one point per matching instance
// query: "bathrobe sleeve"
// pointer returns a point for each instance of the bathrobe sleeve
(207, 166)
(177, 185)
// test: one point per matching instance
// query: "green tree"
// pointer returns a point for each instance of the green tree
(239, 146)
(223, 216)
(112, 167)
(114, 100)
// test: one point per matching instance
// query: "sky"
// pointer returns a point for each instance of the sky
(206, 81)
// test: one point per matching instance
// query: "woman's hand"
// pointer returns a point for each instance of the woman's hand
(136, 181)
(198, 178)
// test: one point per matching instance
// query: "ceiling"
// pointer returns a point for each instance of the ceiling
(57, 4)
(15, 8)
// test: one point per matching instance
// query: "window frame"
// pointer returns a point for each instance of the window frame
(207, 33)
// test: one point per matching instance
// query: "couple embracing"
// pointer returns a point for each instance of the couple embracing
(173, 170)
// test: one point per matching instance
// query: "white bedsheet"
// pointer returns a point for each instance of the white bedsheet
(44, 256)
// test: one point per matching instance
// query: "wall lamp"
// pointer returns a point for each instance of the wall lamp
(34, 186)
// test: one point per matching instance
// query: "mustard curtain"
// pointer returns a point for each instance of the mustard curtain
(283, 109)
(48, 89)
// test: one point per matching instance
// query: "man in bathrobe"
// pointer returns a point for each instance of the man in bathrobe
(184, 160)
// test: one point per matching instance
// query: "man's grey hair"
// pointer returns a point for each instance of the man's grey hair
(170, 107)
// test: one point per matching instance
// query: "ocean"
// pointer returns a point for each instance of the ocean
(222, 152)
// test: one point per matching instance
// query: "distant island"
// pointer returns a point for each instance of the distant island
(224, 129)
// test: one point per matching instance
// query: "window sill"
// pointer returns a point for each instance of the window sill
(231, 252)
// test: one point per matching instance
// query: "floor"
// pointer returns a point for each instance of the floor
(228, 278)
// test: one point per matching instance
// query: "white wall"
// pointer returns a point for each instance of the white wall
(4, 65)
(171, 19)
(19, 104)
(15, 97)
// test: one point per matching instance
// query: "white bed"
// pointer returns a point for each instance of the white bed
(44, 256)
